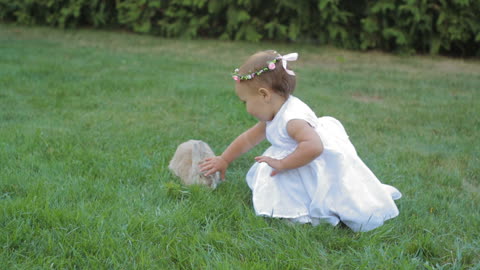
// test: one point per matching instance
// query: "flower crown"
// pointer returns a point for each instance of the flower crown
(271, 65)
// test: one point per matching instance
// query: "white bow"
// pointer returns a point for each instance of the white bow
(288, 57)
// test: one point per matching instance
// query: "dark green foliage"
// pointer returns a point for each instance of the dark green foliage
(406, 26)
(435, 26)
(64, 13)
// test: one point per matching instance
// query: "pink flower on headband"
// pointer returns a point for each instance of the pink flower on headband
(271, 66)
(236, 78)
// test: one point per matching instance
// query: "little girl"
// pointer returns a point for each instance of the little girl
(311, 173)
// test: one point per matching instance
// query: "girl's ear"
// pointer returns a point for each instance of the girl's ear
(263, 92)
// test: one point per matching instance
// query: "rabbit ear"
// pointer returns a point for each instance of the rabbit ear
(195, 148)
(202, 147)
(196, 153)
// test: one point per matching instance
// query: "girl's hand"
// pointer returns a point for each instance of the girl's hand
(212, 165)
(276, 164)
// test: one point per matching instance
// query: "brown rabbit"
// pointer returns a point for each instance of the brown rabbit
(184, 163)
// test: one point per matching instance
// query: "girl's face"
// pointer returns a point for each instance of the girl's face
(256, 102)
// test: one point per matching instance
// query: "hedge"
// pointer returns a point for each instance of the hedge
(407, 26)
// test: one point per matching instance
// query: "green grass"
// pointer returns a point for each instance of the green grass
(89, 121)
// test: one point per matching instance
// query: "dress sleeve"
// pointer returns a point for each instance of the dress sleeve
(300, 111)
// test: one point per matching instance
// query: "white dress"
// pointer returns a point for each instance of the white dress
(336, 186)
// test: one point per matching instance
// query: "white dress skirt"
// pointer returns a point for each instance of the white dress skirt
(336, 186)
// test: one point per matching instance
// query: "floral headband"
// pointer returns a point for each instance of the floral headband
(271, 65)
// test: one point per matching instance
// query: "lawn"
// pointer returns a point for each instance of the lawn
(90, 119)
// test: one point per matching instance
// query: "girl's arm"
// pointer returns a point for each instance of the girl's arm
(309, 147)
(242, 144)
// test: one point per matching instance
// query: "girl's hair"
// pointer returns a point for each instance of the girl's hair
(277, 79)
